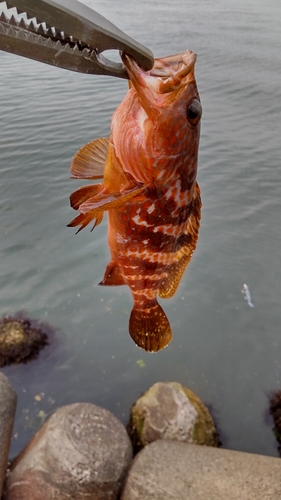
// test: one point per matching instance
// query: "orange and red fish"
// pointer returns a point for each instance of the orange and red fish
(149, 189)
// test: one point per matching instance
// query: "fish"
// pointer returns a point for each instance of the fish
(247, 294)
(149, 189)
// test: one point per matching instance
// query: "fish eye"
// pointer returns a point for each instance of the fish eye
(194, 112)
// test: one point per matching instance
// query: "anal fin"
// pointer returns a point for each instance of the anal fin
(112, 276)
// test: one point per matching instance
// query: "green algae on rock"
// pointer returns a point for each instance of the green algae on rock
(169, 410)
(19, 340)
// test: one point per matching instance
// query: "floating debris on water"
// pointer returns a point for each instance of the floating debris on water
(247, 295)
(141, 363)
(39, 396)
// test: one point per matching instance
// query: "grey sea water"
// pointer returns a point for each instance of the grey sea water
(224, 350)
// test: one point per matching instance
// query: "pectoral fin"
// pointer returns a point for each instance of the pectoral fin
(94, 207)
(89, 161)
(83, 220)
(186, 246)
(107, 201)
(84, 193)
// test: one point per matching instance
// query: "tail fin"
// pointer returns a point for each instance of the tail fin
(150, 328)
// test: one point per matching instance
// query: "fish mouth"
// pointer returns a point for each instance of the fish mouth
(180, 65)
(167, 75)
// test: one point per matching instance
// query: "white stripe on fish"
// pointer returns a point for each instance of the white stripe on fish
(247, 294)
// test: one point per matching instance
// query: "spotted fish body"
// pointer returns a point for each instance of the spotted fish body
(149, 189)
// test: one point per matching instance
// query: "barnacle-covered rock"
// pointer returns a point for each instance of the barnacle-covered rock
(19, 340)
(169, 410)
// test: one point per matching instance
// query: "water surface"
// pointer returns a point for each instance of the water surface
(225, 351)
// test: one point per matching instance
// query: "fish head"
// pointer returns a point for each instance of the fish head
(160, 116)
(167, 85)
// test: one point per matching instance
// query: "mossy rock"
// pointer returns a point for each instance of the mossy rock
(275, 411)
(19, 341)
(169, 410)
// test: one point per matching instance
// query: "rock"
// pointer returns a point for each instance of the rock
(275, 412)
(19, 341)
(170, 411)
(178, 471)
(8, 401)
(81, 452)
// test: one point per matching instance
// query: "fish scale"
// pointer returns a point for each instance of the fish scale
(149, 189)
